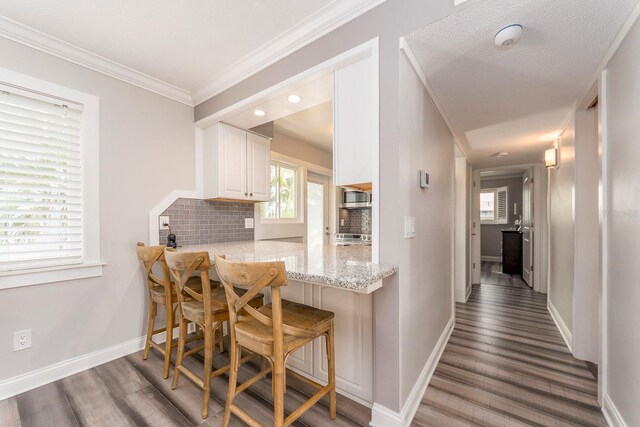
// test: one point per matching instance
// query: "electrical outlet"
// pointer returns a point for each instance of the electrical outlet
(21, 340)
(248, 223)
(164, 222)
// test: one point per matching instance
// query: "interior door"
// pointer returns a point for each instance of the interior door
(317, 209)
(527, 228)
(475, 229)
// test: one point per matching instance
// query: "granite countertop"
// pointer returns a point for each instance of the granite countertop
(347, 267)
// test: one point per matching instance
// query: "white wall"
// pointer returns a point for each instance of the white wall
(146, 150)
(284, 144)
(561, 229)
(622, 216)
(425, 271)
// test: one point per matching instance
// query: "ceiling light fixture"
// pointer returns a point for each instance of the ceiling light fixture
(508, 36)
(294, 99)
(259, 113)
(502, 154)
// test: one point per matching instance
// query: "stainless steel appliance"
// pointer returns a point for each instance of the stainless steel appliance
(355, 199)
(346, 239)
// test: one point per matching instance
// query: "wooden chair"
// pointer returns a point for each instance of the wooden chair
(161, 291)
(207, 307)
(274, 331)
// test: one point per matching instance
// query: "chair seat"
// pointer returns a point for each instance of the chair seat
(255, 336)
(193, 310)
(157, 293)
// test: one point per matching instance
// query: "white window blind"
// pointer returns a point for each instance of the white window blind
(40, 181)
(501, 205)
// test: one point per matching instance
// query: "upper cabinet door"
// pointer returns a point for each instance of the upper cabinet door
(232, 162)
(258, 163)
(353, 124)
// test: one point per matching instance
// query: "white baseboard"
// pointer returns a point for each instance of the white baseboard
(611, 413)
(469, 289)
(39, 377)
(382, 416)
(562, 327)
(491, 258)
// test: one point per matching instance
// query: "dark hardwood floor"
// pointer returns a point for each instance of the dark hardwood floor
(507, 365)
(132, 392)
(491, 274)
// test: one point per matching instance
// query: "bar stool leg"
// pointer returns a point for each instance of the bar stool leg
(233, 382)
(181, 343)
(209, 333)
(150, 325)
(332, 372)
(169, 341)
(278, 390)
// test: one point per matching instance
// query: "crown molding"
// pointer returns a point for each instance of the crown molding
(35, 39)
(327, 19)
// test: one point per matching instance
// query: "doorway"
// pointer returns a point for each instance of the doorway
(318, 230)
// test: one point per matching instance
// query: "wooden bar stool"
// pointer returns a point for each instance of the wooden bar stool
(274, 331)
(207, 307)
(161, 291)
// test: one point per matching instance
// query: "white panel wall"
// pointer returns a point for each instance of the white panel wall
(146, 151)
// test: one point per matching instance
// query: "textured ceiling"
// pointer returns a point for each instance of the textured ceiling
(180, 42)
(506, 100)
(313, 126)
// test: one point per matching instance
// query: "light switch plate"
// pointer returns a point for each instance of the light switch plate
(163, 220)
(248, 223)
(409, 227)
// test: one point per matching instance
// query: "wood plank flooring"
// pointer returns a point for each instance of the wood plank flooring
(507, 365)
(132, 392)
(491, 274)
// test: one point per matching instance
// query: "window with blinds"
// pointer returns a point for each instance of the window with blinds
(493, 205)
(41, 222)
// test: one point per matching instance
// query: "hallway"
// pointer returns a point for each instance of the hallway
(507, 365)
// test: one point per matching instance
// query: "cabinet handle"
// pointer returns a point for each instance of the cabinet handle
(246, 194)
(251, 194)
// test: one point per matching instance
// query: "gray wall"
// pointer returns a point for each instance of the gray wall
(490, 234)
(196, 221)
(622, 213)
(426, 294)
(388, 22)
(284, 144)
(140, 132)
(561, 229)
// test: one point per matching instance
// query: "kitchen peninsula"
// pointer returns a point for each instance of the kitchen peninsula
(336, 278)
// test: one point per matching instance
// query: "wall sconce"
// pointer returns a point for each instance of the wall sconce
(551, 158)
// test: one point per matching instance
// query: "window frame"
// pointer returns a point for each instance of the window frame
(91, 265)
(298, 196)
(496, 220)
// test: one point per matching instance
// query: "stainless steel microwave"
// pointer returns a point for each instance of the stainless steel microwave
(354, 199)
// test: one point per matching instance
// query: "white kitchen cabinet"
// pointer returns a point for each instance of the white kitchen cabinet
(236, 164)
(259, 161)
(353, 329)
(354, 121)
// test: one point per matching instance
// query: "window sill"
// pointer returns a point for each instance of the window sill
(493, 223)
(40, 276)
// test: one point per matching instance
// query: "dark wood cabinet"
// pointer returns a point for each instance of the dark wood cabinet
(512, 252)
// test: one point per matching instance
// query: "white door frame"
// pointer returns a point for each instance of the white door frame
(540, 245)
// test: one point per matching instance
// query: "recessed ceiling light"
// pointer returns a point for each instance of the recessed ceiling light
(502, 154)
(259, 113)
(294, 99)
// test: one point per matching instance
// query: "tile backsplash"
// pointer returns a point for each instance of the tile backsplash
(196, 221)
(356, 221)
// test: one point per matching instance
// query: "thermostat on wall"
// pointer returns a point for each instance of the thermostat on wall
(424, 178)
